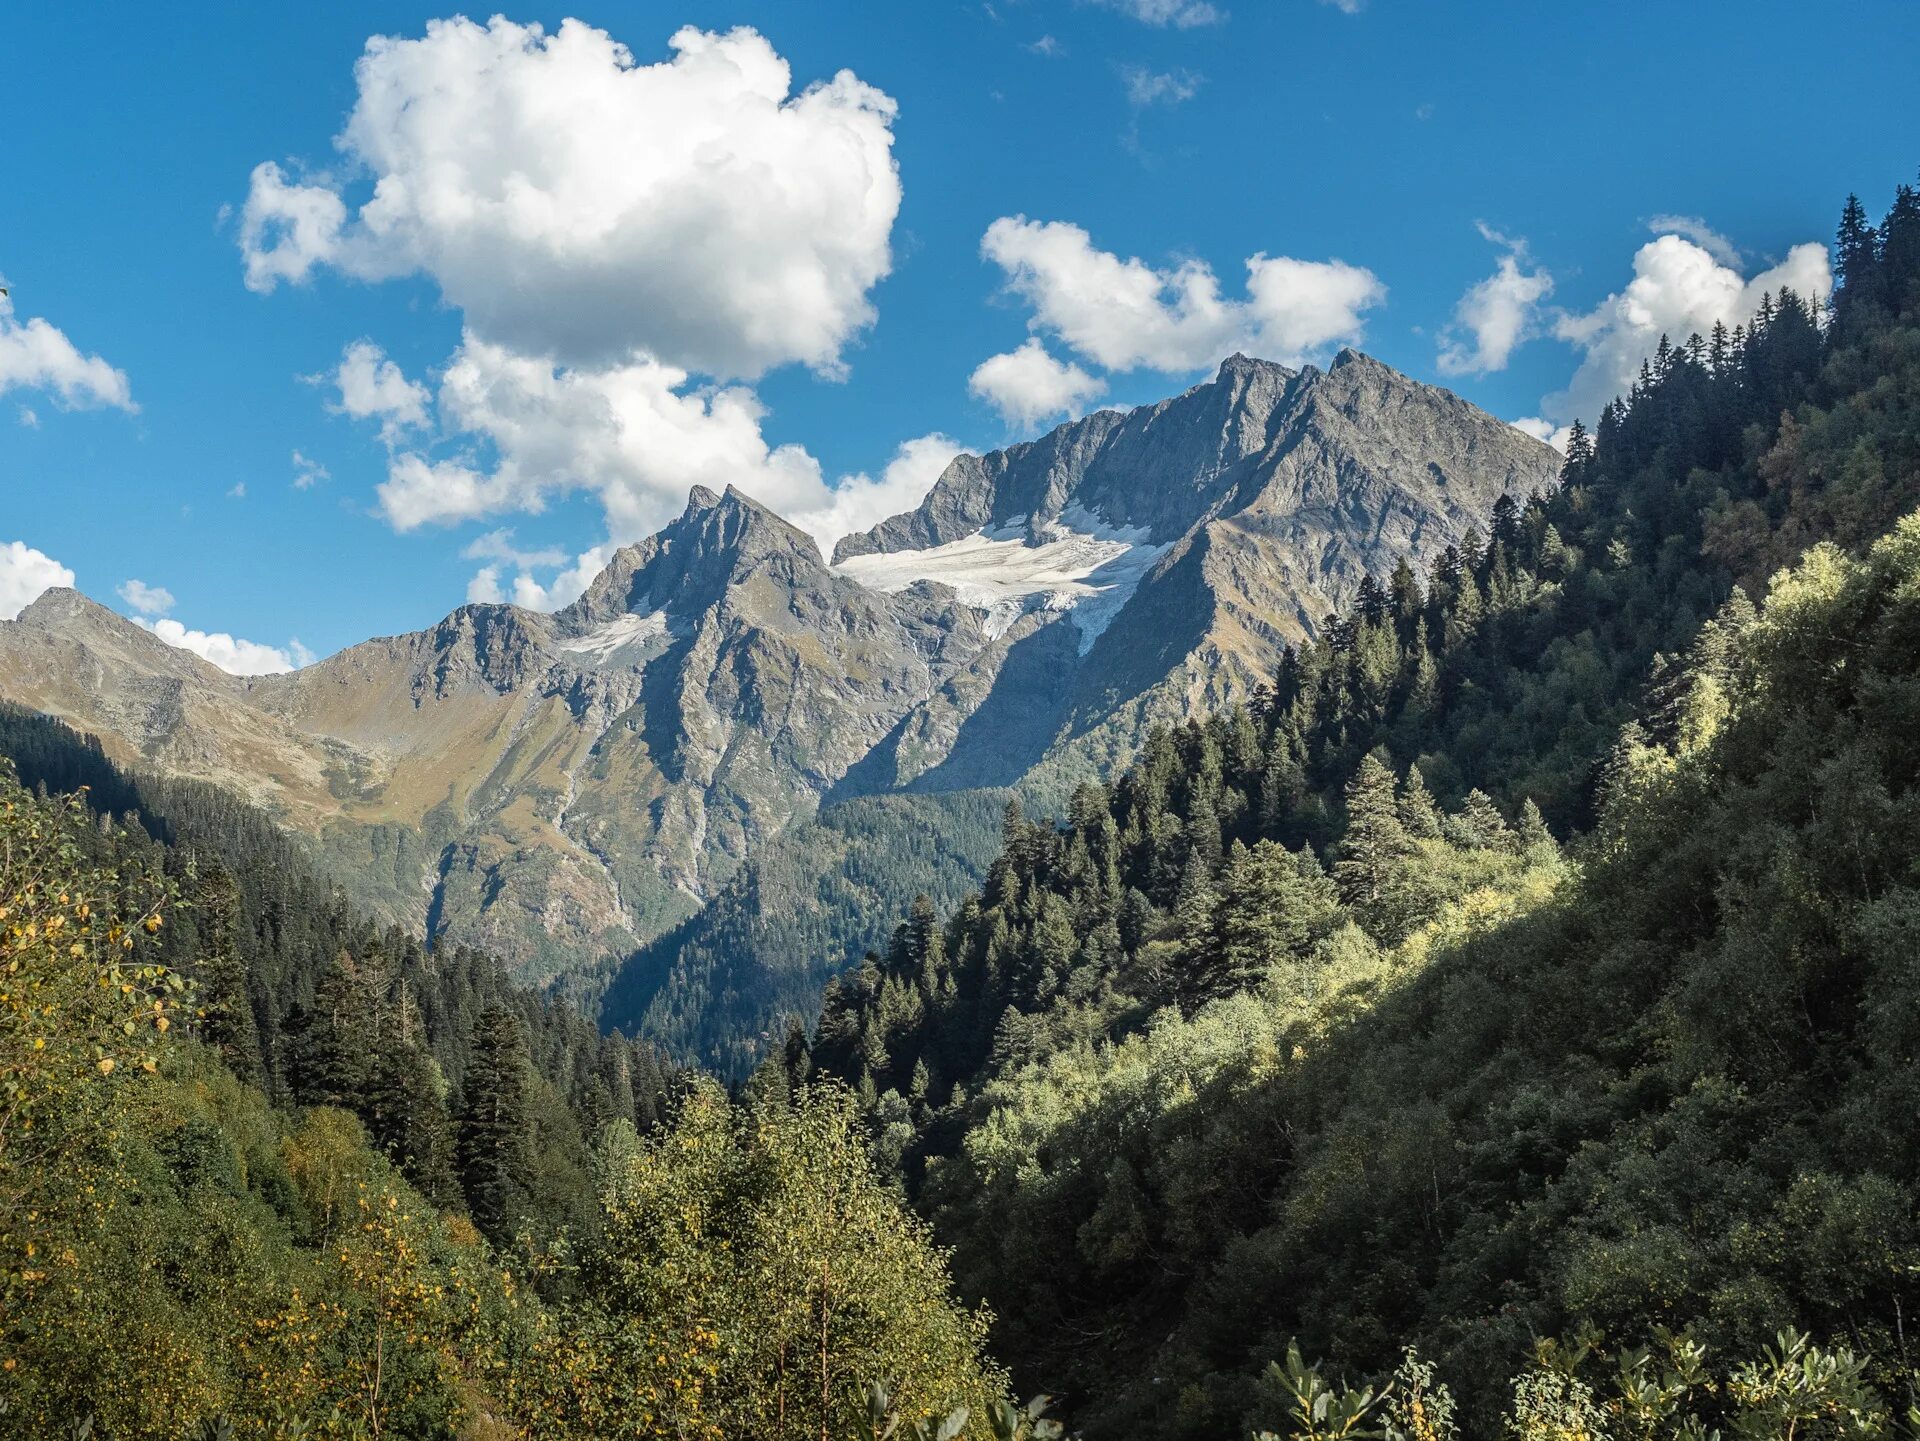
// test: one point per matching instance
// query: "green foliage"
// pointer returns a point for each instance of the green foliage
(1484, 1093)
(748, 1275)
(300, 993)
(716, 989)
(180, 1259)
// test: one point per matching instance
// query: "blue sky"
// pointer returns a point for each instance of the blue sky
(1404, 152)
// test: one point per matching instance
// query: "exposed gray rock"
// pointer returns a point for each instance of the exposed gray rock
(563, 786)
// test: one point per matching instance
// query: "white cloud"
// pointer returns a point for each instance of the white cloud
(1046, 47)
(1181, 14)
(529, 593)
(636, 437)
(498, 545)
(1028, 385)
(632, 434)
(373, 387)
(1157, 87)
(28, 418)
(1126, 314)
(286, 229)
(37, 356)
(147, 599)
(236, 657)
(484, 588)
(239, 491)
(1678, 289)
(1692, 227)
(24, 574)
(1346, 7)
(1556, 436)
(576, 205)
(1498, 312)
(860, 502)
(307, 473)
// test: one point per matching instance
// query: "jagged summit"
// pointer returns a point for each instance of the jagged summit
(1156, 466)
(560, 786)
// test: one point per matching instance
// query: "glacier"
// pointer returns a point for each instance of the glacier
(1078, 564)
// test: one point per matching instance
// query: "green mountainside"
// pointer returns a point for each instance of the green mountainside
(1305, 1026)
(1503, 1023)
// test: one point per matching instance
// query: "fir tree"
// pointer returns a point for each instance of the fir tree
(493, 1122)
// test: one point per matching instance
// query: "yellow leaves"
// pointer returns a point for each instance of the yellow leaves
(106, 1064)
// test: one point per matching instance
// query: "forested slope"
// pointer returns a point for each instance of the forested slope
(182, 1258)
(1268, 1042)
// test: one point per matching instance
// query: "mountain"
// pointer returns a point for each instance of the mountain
(1304, 1032)
(1189, 543)
(560, 788)
(1131, 568)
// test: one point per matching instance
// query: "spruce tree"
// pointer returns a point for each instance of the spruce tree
(1856, 261)
(1374, 850)
(227, 1020)
(493, 1121)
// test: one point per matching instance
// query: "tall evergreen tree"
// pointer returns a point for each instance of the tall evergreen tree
(493, 1121)
(227, 1020)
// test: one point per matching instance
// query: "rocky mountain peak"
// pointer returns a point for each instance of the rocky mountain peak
(561, 786)
(689, 565)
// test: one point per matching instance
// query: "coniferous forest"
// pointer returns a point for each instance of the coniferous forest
(1508, 1024)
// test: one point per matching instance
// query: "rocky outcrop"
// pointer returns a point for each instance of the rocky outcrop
(560, 787)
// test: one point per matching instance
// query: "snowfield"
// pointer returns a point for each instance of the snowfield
(602, 643)
(1082, 566)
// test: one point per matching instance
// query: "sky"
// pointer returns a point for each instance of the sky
(325, 320)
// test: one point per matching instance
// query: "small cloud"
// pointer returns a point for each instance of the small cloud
(24, 574)
(301, 655)
(1147, 88)
(239, 491)
(1046, 46)
(37, 356)
(28, 418)
(1346, 7)
(229, 653)
(1423, 111)
(484, 588)
(1554, 435)
(498, 545)
(1123, 314)
(147, 599)
(1693, 228)
(1498, 313)
(308, 473)
(374, 387)
(1180, 14)
(1028, 385)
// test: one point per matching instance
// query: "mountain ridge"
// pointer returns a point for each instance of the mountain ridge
(561, 787)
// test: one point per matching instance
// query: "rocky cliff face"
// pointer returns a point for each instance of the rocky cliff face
(1196, 539)
(561, 787)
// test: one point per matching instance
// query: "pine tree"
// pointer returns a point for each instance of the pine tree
(1479, 824)
(227, 1021)
(1416, 808)
(1856, 255)
(493, 1137)
(1375, 849)
(1900, 251)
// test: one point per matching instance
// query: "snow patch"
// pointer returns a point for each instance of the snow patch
(600, 644)
(1078, 564)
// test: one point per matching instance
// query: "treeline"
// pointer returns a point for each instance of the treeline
(181, 1258)
(1304, 1026)
(318, 1005)
(714, 987)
